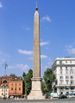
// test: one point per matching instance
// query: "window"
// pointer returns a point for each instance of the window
(61, 70)
(67, 93)
(61, 88)
(71, 71)
(67, 81)
(61, 77)
(56, 82)
(66, 70)
(66, 88)
(71, 77)
(67, 77)
(72, 88)
(71, 82)
(15, 88)
(11, 88)
(19, 89)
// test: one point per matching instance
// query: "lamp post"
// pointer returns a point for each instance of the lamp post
(5, 67)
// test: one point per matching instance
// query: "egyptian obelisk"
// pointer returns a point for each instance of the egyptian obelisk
(36, 92)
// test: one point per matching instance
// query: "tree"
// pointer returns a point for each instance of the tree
(49, 78)
(27, 81)
(24, 79)
(44, 87)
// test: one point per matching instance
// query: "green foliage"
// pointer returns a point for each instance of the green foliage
(44, 87)
(49, 78)
(27, 81)
(29, 75)
(24, 74)
(24, 78)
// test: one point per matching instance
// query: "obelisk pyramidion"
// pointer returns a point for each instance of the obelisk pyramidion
(36, 92)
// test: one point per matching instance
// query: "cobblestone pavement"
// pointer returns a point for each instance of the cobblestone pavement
(72, 100)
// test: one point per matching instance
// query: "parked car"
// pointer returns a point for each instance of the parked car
(62, 96)
(54, 95)
(71, 95)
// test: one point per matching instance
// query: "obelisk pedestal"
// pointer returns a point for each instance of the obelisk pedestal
(36, 92)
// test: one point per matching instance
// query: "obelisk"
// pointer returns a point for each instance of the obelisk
(36, 92)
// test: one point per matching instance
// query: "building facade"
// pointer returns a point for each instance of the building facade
(64, 69)
(11, 86)
(15, 88)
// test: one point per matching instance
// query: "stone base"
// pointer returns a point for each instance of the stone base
(36, 93)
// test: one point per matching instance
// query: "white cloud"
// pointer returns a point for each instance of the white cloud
(44, 43)
(41, 56)
(44, 56)
(25, 52)
(70, 49)
(1, 5)
(46, 18)
(23, 67)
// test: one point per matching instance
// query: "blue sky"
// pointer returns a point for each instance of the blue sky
(57, 33)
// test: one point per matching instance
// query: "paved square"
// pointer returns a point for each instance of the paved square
(72, 100)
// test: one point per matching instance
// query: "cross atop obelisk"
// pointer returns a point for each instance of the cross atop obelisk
(36, 92)
(36, 4)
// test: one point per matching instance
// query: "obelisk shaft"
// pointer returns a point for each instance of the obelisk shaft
(36, 65)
